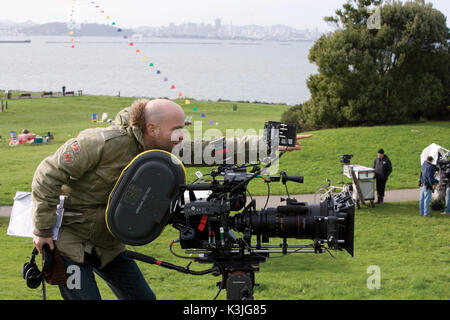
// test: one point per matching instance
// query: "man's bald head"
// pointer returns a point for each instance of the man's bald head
(161, 122)
(144, 111)
(159, 110)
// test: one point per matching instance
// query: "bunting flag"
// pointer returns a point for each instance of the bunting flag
(144, 57)
(71, 25)
(150, 64)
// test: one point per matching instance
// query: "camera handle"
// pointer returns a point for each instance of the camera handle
(147, 259)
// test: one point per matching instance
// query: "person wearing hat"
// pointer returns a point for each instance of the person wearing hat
(383, 169)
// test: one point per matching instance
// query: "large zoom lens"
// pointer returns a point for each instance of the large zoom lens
(301, 221)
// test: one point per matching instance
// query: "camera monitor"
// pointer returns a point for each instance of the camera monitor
(138, 206)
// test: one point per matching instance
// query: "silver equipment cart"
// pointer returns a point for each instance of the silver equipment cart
(363, 183)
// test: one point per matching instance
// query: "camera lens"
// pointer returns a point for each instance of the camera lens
(300, 221)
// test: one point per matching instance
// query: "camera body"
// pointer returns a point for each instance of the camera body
(223, 225)
(345, 158)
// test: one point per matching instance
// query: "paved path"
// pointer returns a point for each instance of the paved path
(274, 200)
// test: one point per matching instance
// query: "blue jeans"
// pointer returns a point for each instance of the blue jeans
(122, 275)
(425, 200)
(447, 198)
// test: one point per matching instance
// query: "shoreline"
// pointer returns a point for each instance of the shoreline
(58, 94)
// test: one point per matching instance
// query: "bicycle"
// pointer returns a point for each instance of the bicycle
(325, 192)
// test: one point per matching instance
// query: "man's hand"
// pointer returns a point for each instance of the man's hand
(40, 241)
(298, 145)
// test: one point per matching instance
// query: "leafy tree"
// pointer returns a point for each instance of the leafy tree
(394, 74)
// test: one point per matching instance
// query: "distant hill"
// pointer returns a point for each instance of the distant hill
(60, 28)
(184, 30)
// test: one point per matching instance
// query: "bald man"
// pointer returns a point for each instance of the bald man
(84, 171)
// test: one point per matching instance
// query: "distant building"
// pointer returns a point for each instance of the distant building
(218, 24)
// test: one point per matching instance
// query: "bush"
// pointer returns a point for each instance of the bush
(396, 74)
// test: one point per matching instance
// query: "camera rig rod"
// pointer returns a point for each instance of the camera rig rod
(147, 259)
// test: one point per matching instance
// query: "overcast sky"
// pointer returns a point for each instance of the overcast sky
(131, 13)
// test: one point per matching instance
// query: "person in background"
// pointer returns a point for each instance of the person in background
(427, 183)
(447, 193)
(383, 168)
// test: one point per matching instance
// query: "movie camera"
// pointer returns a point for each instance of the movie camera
(224, 229)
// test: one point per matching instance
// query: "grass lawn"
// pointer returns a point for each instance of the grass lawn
(318, 159)
(410, 251)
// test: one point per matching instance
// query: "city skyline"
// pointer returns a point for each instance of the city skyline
(298, 14)
(217, 30)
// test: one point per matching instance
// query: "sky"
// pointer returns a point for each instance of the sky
(300, 14)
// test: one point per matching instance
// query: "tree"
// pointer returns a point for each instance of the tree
(397, 73)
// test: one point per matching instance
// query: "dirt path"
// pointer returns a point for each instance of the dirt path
(274, 200)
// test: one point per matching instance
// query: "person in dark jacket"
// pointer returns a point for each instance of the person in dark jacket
(383, 168)
(427, 183)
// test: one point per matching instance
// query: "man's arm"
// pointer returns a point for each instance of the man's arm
(388, 168)
(72, 159)
(245, 149)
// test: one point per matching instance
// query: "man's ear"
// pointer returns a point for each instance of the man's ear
(152, 129)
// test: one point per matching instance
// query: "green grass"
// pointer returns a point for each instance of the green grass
(411, 252)
(318, 159)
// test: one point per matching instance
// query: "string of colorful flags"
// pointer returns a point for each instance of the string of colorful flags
(144, 57)
(72, 25)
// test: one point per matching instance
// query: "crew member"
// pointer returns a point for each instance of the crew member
(383, 169)
(427, 183)
(84, 170)
(447, 190)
